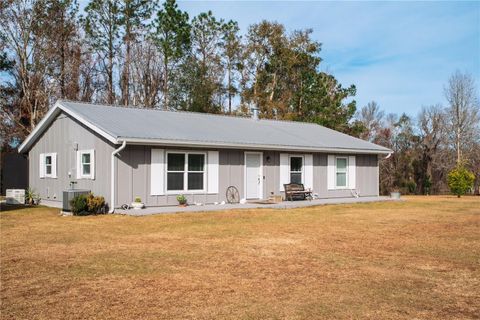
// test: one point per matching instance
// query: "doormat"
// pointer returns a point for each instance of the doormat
(263, 202)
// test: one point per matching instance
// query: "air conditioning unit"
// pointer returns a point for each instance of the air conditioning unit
(69, 194)
(15, 196)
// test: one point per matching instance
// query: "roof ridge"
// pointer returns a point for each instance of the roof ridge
(157, 109)
(206, 114)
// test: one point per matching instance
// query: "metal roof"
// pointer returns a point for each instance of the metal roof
(152, 126)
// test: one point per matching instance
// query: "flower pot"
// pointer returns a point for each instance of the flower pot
(395, 195)
(137, 205)
(182, 204)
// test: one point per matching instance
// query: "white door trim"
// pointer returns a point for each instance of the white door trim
(245, 173)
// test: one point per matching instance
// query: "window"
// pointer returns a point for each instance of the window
(48, 165)
(175, 171)
(86, 164)
(341, 172)
(296, 169)
(185, 171)
(196, 163)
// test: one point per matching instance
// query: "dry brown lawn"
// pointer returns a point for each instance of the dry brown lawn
(417, 259)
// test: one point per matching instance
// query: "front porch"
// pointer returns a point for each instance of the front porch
(280, 205)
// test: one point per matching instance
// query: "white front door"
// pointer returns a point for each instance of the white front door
(253, 175)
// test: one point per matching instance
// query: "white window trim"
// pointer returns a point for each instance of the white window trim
(80, 174)
(346, 173)
(290, 156)
(185, 173)
(53, 164)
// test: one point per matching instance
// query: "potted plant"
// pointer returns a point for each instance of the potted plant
(137, 204)
(182, 200)
(30, 196)
(395, 193)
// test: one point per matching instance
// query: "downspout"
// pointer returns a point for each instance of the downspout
(389, 155)
(112, 177)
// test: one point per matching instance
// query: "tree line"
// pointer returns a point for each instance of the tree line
(146, 54)
(139, 53)
(429, 146)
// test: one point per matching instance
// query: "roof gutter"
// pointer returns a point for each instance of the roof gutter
(112, 176)
(214, 144)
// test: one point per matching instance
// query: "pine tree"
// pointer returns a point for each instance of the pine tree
(172, 37)
(207, 63)
(133, 13)
(232, 52)
(58, 21)
(102, 26)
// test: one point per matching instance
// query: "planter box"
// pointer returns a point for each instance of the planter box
(395, 195)
(137, 205)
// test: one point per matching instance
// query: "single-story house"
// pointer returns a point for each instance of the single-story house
(123, 153)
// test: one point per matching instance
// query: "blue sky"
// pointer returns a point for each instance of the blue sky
(399, 54)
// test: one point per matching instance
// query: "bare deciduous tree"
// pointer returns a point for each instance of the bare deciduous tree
(147, 74)
(432, 165)
(371, 117)
(463, 110)
(19, 20)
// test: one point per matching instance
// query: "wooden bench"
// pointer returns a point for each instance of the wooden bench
(296, 191)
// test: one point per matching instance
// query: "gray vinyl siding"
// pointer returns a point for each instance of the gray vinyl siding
(271, 173)
(133, 177)
(60, 138)
(133, 169)
(367, 182)
(366, 176)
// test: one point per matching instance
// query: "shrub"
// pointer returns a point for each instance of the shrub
(83, 205)
(427, 184)
(95, 204)
(411, 186)
(79, 205)
(30, 196)
(460, 180)
(138, 199)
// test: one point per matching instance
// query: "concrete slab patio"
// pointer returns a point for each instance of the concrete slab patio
(281, 205)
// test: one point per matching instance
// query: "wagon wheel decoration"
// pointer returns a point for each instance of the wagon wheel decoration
(232, 195)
